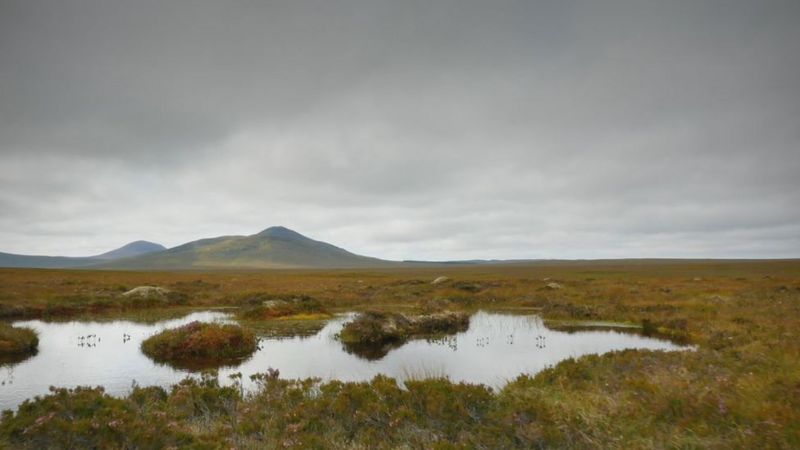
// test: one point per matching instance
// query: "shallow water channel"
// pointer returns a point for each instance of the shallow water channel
(495, 349)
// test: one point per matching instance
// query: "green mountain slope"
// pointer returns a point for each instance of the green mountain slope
(275, 247)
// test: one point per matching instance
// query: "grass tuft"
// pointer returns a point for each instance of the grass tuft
(199, 344)
(17, 340)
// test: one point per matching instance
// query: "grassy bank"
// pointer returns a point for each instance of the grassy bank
(630, 399)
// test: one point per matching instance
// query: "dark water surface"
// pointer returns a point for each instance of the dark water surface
(495, 349)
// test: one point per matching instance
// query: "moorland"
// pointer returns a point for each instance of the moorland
(738, 388)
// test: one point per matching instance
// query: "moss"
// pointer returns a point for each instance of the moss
(198, 345)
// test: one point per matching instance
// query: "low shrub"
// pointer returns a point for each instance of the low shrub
(89, 418)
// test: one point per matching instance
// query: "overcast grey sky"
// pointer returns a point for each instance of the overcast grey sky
(431, 129)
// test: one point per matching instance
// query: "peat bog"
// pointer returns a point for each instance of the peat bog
(534, 374)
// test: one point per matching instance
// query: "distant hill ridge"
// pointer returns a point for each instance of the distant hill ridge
(274, 247)
(53, 262)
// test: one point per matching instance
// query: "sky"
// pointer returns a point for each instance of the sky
(415, 129)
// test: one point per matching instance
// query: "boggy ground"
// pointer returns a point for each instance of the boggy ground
(740, 388)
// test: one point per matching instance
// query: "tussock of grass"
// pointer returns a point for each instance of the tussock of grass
(17, 340)
(199, 342)
(375, 327)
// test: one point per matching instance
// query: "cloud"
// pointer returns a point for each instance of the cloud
(404, 130)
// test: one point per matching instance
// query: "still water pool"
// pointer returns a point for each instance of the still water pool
(495, 349)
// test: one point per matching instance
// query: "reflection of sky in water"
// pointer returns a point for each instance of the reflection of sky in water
(495, 349)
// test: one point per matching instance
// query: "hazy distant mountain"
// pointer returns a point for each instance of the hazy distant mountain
(133, 249)
(51, 262)
(275, 247)
(44, 262)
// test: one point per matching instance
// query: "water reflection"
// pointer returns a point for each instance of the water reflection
(371, 352)
(10, 360)
(495, 349)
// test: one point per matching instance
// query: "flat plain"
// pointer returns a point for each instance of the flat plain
(738, 388)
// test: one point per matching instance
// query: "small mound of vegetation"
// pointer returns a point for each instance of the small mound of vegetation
(303, 307)
(17, 341)
(199, 344)
(375, 327)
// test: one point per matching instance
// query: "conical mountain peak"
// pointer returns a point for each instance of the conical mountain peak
(279, 232)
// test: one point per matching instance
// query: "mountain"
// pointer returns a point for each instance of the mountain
(275, 247)
(133, 249)
(54, 262)
(44, 262)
